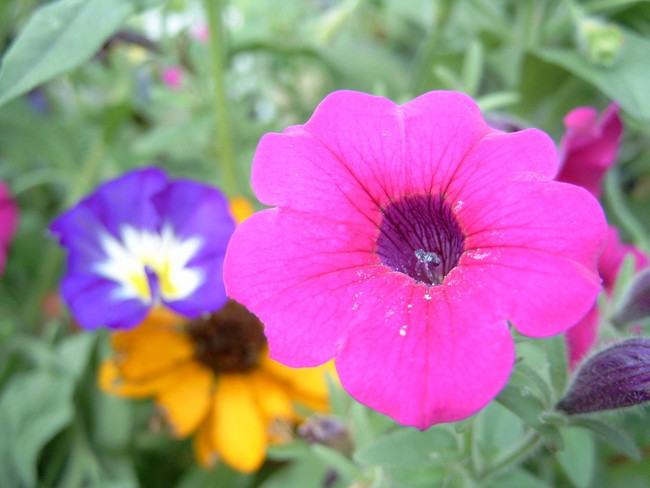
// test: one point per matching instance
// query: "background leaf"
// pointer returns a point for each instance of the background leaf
(34, 406)
(57, 38)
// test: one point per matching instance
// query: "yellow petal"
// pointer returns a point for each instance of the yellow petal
(238, 429)
(304, 381)
(272, 398)
(156, 345)
(203, 450)
(241, 209)
(111, 381)
(186, 400)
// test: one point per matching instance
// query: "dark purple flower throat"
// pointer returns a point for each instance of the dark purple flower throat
(420, 237)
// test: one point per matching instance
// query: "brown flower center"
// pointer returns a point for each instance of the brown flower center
(229, 340)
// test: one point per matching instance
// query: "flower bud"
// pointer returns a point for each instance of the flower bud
(327, 430)
(601, 40)
(616, 377)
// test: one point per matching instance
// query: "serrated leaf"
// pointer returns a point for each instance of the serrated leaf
(34, 406)
(410, 447)
(57, 38)
(626, 81)
(635, 302)
(615, 437)
(578, 458)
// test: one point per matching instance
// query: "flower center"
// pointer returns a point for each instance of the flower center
(420, 237)
(229, 340)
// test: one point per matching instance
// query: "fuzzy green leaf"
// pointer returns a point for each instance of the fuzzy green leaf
(578, 458)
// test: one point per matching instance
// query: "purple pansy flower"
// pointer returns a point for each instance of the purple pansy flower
(143, 240)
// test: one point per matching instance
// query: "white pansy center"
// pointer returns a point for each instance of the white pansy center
(163, 254)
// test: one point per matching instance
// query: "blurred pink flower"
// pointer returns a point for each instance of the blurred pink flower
(587, 150)
(582, 336)
(403, 241)
(172, 77)
(200, 32)
(589, 146)
(8, 222)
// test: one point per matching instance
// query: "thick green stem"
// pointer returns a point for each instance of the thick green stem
(223, 147)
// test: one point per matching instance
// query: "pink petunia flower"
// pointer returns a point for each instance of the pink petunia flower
(587, 150)
(8, 222)
(589, 146)
(172, 77)
(403, 240)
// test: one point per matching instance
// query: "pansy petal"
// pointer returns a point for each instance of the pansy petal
(238, 429)
(197, 214)
(123, 201)
(434, 363)
(309, 255)
(96, 302)
(186, 400)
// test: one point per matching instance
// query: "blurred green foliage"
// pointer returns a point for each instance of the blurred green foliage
(82, 101)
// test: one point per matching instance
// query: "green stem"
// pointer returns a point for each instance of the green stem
(628, 220)
(513, 457)
(424, 59)
(51, 255)
(223, 147)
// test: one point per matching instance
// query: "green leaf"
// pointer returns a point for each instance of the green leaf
(558, 364)
(530, 409)
(613, 436)
(578, 458)
(306, 473)
(34, 406)
(410, 447)
(221, 475)
(635, 302)
(57, 38)
(337, 461)
(516, 478)
(626, 81)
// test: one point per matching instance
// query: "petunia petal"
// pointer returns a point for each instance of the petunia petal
(238, 429)
(541, 225)
(186, 400)
(304, 257)
(433, 360)
(540, 293)
(315, 168)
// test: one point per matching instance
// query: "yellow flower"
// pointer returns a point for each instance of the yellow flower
(213, 377)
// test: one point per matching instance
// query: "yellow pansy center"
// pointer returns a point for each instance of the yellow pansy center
(150, 266)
